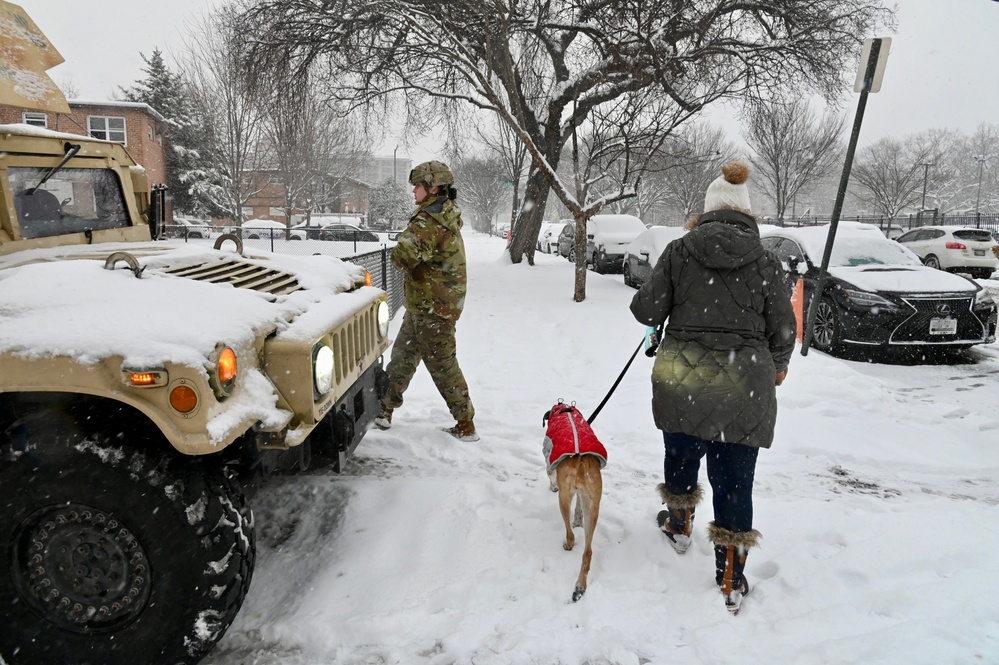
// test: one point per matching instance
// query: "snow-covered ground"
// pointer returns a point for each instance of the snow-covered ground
(878, 504)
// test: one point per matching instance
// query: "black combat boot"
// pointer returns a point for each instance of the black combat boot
(731, 548)
(678, 519)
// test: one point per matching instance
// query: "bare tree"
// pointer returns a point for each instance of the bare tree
(315, 146)
(482, 191)
(512, 153)
(792, 148)
(889, 174)
(390, 205)
(545, 66)
(232, 117)
(690, 161)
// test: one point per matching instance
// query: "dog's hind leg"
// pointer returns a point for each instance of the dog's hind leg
(577, 515)
(591, 488)
(565, 493)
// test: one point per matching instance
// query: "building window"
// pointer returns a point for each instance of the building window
(35, 119)
(149, 130)
(108, 128)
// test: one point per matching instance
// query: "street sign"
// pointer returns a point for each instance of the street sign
(882, 45)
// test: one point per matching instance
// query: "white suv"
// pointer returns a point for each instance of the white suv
(953, 248)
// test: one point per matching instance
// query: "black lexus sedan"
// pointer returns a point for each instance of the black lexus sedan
(878, 294)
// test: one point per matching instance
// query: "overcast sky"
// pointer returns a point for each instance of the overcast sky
(942, 71)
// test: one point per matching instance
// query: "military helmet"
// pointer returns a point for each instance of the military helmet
(431, 174)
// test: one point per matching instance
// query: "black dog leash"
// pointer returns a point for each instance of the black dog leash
(650, 353)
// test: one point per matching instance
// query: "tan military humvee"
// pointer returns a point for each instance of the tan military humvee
(143, 385)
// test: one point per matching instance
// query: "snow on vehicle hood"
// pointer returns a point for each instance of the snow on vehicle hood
(52, 305)
(902, 279)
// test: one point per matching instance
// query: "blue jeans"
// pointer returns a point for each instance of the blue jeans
(731, 469)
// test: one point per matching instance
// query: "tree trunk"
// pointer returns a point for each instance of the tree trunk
(579, 244)
(525, 231)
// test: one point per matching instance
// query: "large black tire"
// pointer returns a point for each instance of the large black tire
(932, 261)
(826, 332)
(109, 554)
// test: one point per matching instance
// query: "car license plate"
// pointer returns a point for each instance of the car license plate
(979, 252)
(943, 326)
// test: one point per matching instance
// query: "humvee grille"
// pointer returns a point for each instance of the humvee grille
(241, 275)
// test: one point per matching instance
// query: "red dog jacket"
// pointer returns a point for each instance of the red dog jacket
(568, 433)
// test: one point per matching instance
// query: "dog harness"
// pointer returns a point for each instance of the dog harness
(568, 434)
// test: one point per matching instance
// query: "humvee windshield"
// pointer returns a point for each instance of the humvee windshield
(70, 201)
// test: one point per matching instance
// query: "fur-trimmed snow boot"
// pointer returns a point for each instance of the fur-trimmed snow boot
(731, 548)
(677, 520)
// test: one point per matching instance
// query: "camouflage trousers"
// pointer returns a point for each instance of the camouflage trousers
(430, 339)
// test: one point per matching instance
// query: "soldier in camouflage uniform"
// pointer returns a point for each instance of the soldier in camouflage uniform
(431, 253)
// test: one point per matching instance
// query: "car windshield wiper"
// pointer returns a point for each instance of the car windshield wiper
(71, 150)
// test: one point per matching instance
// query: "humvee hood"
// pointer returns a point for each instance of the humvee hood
(64, 302)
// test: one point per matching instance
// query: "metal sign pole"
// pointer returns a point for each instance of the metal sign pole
(871, 79)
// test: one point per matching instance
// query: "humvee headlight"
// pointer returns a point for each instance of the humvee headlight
(227, 365)
(322, 368)
(383, 319)
(223, 379)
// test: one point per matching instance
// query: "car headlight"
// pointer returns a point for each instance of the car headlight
(322, 368)
(383, 319)
(984, 299)
(865, 299)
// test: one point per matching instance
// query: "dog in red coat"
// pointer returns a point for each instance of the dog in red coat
(574, 459)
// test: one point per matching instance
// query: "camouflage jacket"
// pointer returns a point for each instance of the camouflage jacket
(432, 255)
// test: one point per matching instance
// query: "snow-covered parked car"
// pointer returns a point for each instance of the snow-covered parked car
(256, 229)
(549, 237)
(878, 295)
(607, 236)
(642, 254)
(189, 227)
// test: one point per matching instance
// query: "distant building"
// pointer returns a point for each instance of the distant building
(135, 125)
(379, 169)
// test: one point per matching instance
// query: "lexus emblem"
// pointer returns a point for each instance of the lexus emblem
(943, 309)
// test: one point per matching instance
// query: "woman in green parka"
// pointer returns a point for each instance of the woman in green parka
(729, 334)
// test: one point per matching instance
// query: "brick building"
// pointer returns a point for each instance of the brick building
(133, 124)
(350, 196)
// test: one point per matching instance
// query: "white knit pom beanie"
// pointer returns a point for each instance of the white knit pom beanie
(729, 191)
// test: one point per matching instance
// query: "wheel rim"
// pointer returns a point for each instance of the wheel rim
(932, 262)
(80, 568)
(572, 255)
(825, 325)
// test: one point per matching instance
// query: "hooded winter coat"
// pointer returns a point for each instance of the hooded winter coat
(431, 253)
(729, 329)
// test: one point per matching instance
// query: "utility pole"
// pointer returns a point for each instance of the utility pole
(926, 173)
(981, 162)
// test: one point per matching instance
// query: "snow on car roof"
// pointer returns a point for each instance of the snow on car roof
(856, 243)
(613, 223)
